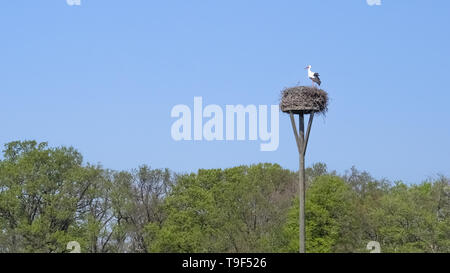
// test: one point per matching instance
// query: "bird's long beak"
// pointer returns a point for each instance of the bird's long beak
(307, 67)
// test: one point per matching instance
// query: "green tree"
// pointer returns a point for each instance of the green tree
(42, 194)
(48, 197)
(137, 201)
(414, 218)
(329, 213)
(234, 210)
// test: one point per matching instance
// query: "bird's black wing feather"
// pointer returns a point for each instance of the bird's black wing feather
(317, 79)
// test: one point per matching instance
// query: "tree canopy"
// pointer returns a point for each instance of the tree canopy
(49, 197)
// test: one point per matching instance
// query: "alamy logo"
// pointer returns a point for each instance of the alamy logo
(374, 2)
(73, 2)
(235, 118)
(74, 247)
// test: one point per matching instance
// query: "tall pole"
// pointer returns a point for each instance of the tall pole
(301, 182)
(302, 144)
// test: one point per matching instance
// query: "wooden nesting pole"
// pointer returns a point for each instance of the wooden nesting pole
(301, 101)
(302, 143)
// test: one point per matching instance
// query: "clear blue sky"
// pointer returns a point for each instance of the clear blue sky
(104, 76)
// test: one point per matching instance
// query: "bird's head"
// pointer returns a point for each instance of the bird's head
(308, 67)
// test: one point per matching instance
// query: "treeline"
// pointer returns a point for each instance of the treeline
(49, 197)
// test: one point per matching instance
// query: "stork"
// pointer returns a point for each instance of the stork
(314, 76)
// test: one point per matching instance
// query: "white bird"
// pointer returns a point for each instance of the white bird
(314, 76)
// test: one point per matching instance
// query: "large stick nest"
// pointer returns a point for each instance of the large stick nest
(304, 99)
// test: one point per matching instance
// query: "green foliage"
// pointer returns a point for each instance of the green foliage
(415, 218)
(40, 193)
(232, 210)
(328, 208)
(48, 198)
